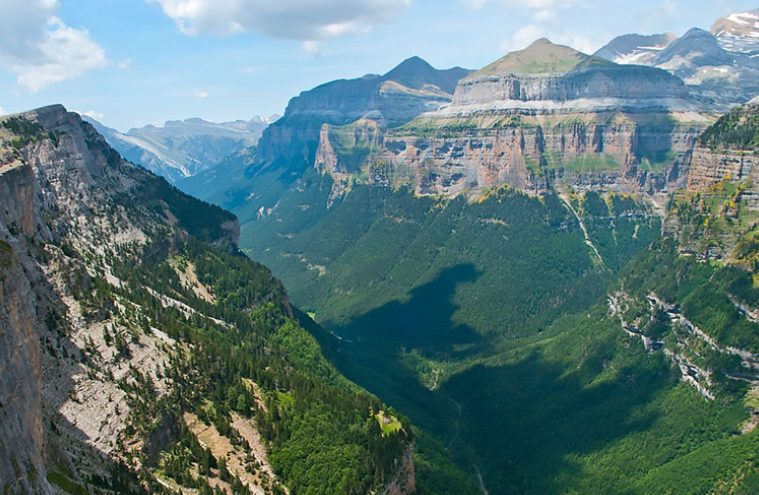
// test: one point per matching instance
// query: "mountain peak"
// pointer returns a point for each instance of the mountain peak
(737, 24)
(413, 67)
(635, 48)
(541, 57)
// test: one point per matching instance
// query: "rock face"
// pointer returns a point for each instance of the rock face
(708, 167)
(22, 442)
(405, 481)
(413, 87)
(536, 119)
(547, 77)
(727, 152)
(184, 148)
(100, 276)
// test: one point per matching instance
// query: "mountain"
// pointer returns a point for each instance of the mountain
(142, 353)
(738, 32)
(635, 48)
(536, 118)
(552, 272)
(716, 64)
(408, 90)
(519, 331)
(183, 148)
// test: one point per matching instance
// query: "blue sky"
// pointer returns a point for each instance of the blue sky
(133, 62)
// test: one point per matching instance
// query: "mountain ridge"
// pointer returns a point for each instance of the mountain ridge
(183, 148)
(142, 353)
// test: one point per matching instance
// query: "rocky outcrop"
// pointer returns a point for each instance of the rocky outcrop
(710, 166)
(405, 480)
(552, 78)
(22, 438)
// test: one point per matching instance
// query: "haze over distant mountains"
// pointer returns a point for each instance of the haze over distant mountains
(183, 148)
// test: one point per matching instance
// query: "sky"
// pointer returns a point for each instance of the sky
(129, 63)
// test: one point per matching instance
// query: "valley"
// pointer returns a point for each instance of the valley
(462, 263)
(535, 277)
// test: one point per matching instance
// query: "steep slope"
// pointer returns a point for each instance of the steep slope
(499, 260)
(180, 149)
(720, 209)
(141, 353)
(491, 324)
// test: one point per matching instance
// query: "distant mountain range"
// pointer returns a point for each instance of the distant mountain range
(184, 148)
(721, 64)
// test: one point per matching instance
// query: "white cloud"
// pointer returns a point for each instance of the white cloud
(249, 70)
(528, 34)
(544, 15)
(93, 115)
(40, 49)
(2, 111)
(313, 48)
(201, 94)
(303, 20)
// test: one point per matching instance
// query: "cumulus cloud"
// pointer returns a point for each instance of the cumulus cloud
(302, 20)
(40, 49)
(202, 95)
(2, 111)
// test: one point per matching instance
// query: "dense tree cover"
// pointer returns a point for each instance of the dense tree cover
(377, 244)
(320, 427)
(486, 322)
(738, 129)
(589, 411)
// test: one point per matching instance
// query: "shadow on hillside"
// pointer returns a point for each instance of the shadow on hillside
(375, 344)
(424, 322)
(526, 420)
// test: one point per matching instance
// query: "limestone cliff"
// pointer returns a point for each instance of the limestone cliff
(537, 119)
(411, 88)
